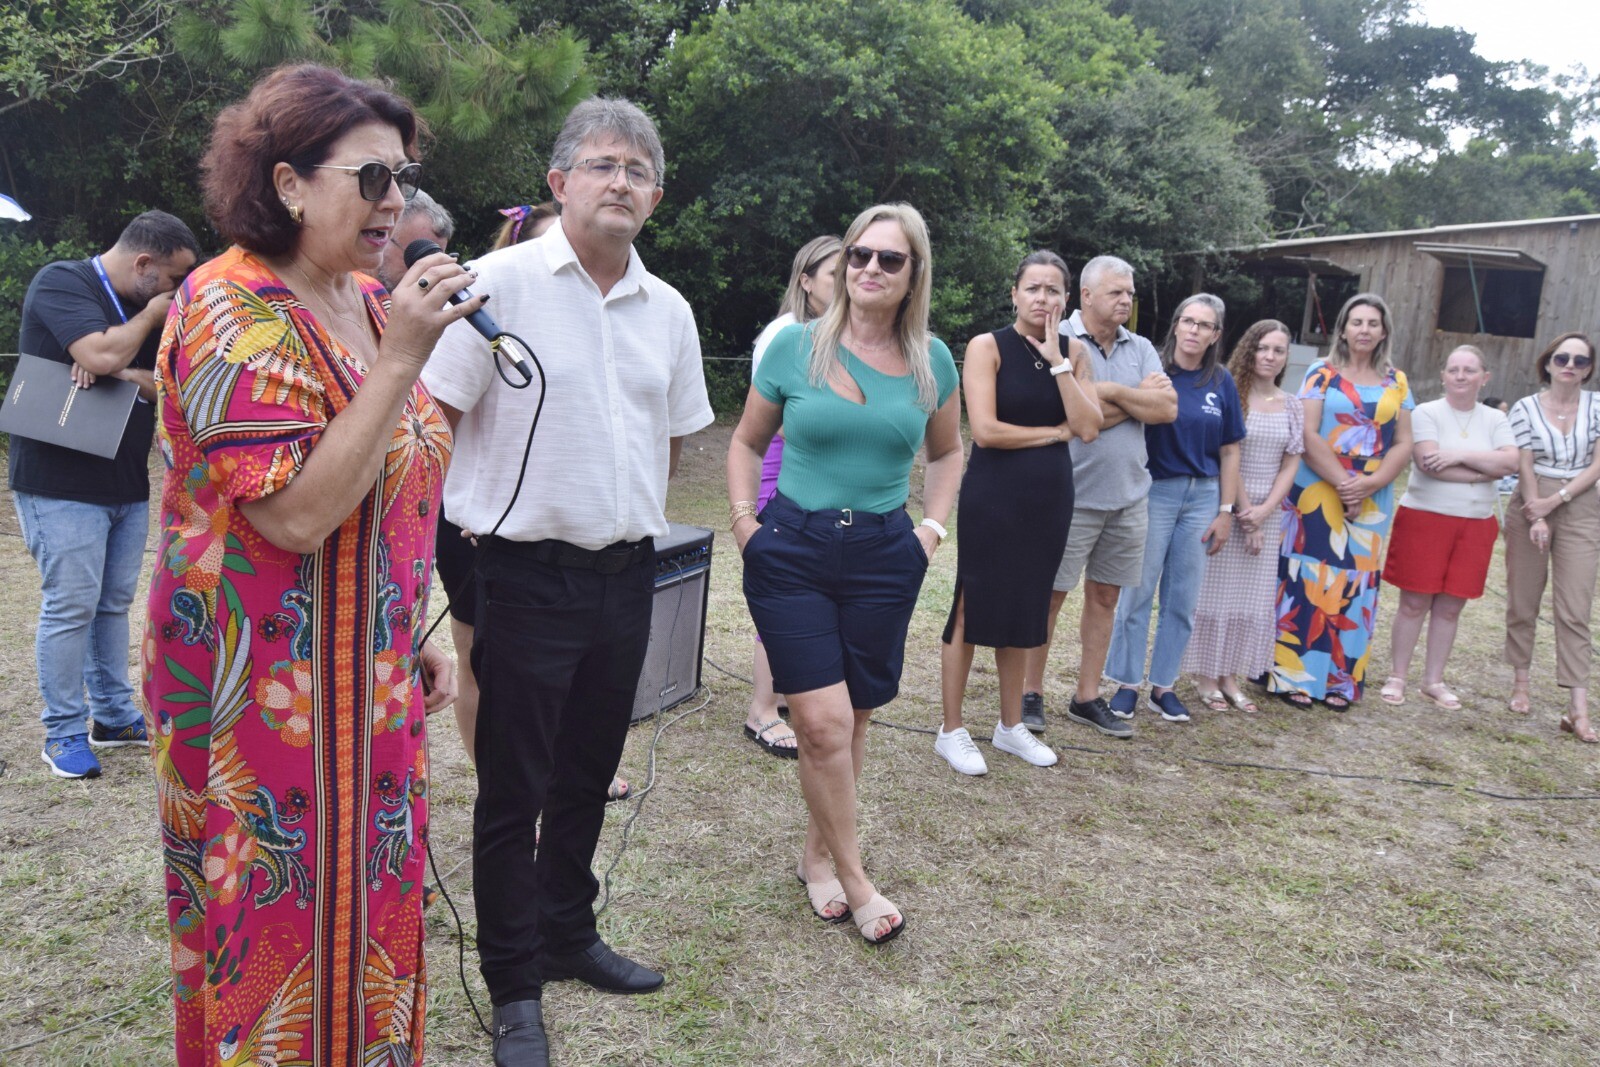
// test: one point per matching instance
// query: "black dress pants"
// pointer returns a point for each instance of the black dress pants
(557, 652)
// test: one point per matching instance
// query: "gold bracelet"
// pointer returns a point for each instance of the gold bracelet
(740, 510)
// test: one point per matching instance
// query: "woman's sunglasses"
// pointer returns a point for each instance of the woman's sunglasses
(1562, 359)
(889, 260)
(374, 179)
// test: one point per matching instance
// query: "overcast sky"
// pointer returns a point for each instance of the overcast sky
(1555, 33)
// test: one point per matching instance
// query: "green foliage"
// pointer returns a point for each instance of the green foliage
(20, 260)
(1150, 172)
(785, 119)
(54, 47)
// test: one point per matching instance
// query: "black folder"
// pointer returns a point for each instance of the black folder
(42, 403)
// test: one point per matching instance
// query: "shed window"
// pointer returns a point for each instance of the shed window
(1488, 290)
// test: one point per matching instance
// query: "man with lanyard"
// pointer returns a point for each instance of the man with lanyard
(1110, 482)
(85, 519)
(565, 584)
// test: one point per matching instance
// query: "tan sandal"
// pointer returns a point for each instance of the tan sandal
(1440, 695)
(867, 916)
(1520, 701)
(1215, 700)
(1394, 691)
(1240, 701)
(823, 894)
(1586, 735)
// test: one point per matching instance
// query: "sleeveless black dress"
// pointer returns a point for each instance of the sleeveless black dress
(1016, 508)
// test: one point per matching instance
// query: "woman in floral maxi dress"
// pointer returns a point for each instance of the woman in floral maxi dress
(1358, 440)
(283, 661)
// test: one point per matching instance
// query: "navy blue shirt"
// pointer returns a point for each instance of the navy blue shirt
(1209, 417)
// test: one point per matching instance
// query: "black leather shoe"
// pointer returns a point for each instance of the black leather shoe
(600, 967)
(519, 1039)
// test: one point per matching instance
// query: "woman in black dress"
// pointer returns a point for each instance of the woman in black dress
(1025, 400)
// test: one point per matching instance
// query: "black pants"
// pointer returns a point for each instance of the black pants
(557, 652)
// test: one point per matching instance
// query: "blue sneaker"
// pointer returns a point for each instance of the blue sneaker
(1170, 707)
(119, 737)
(1123, 702)
(71, 757)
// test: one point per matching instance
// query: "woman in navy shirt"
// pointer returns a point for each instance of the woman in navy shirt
(1194, 462)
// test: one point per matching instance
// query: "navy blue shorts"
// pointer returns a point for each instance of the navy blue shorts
(453, 558)
(832, 594)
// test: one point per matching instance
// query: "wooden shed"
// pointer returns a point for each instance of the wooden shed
(1506, 287)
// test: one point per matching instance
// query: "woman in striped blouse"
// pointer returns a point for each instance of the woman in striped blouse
(1557, 527)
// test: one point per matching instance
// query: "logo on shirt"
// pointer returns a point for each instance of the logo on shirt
(1210, 406)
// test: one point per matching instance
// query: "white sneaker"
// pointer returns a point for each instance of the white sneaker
(958, 747)
(1019, 741)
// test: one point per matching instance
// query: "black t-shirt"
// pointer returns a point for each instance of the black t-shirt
(65, 303)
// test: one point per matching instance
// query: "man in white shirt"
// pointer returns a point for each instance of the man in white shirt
(566, 579)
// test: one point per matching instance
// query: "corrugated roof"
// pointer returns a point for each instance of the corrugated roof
(1307, 242)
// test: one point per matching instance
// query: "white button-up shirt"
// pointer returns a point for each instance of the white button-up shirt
(623, 376)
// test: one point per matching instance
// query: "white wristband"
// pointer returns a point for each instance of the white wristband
(1064, 367)
(936, 527)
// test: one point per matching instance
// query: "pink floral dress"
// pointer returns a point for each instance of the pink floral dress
(283, 693)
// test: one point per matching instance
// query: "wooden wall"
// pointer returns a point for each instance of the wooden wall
(1411, 281)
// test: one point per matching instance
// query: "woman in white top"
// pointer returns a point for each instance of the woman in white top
(1556, 530)
(1445, 529)
(808, 296)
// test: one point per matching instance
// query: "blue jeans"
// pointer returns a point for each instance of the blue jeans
(89, 558)
(1174, 559)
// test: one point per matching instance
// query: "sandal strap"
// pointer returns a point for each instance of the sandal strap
(762, 732)
(879, 907)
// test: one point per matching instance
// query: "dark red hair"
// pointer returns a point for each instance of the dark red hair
(294, 115)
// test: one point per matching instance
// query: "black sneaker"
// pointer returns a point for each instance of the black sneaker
(1033, 711)
(1097, 713)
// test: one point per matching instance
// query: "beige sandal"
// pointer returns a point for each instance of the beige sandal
(1520, 701)
(1394, 691)
(1214, 700)
(1439, 694)
(823, 894)
(867, 916)
(1240, 701)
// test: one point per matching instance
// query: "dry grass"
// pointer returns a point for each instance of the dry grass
(1129, 906)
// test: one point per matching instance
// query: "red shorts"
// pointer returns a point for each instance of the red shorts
(1432, 553)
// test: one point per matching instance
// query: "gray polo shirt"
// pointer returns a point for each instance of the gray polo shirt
(1109, 473)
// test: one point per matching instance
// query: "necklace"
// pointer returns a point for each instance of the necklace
(1547, 402)
(856, 342)
(1466, 427)
(333, 312)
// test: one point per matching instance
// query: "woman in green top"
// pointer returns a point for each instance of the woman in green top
(833, 565)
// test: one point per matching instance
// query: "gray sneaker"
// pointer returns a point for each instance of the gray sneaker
(1033, 711)
(1097, 713)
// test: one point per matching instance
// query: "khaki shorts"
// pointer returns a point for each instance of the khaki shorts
(1110, 543)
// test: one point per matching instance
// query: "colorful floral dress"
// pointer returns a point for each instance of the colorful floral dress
(1329, 568)
(283, 693)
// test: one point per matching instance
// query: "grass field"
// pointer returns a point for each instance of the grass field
(1132, 905)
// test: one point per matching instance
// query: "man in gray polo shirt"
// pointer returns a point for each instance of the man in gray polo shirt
(1110, 485)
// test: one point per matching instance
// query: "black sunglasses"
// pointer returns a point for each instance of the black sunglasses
(888, 259)
(1562, 359)
(374, 178)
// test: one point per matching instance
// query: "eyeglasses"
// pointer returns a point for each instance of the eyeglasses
(1195, 324)
(889, 261)
(606, 170)
(1563, 359)
(374, 179)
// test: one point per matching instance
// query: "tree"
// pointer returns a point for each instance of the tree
(1150, 172)
(784, 119)
(53, 48)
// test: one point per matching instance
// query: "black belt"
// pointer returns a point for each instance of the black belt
(612, 559)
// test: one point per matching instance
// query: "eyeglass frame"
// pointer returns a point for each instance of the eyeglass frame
(1571, 359)
(649, 180)
(391, 174)
(854, 251)
(1185, 321)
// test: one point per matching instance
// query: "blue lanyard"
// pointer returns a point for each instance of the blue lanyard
(105, 281)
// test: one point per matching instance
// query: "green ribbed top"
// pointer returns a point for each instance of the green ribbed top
(837, 453)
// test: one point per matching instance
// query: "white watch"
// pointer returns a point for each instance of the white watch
(936, 527)
(1224, 509)
(1064, 367)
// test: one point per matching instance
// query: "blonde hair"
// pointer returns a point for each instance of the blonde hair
(911, 321)
(796, 301)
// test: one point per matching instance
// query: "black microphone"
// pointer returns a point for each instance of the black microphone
(480, 319)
